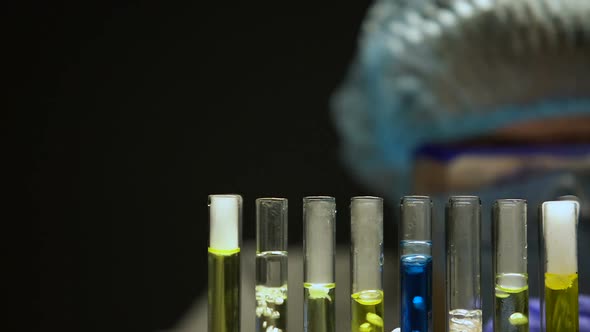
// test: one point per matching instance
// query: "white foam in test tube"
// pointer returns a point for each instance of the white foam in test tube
(224, 218)
(559, 230)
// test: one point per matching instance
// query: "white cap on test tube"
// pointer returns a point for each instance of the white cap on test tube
(559, 231)
(224, 216)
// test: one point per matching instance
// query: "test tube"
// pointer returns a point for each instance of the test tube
(509, 229)
(416, 264)
(271, 264)
(463, 238)
(225, 217)
(366, 252)
(559, 222)
(319, 283)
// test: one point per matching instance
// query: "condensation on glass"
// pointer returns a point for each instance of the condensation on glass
(319, 236)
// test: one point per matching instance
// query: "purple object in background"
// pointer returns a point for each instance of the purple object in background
(534, 315)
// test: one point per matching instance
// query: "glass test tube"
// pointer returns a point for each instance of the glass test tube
(225, 216)
(559, 222)
(319, 231)
(271, 264)
(367, 308)
(416, 264)
(511, 310)
(463, 238)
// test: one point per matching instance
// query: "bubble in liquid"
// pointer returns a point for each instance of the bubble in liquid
(365, 327)
(319, 292)
(374, 319)
(418, 302)
(501, 294)
(266, 299)
(518, 318)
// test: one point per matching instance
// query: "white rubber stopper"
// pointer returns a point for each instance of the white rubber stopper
(224, 216)
(559, 229)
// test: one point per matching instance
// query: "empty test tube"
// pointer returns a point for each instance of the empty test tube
(225, 215)
(559, 224)
(271, 264)
(511, 310)
(463, 240)
(319, 231)
(366, 254)
(416, 264)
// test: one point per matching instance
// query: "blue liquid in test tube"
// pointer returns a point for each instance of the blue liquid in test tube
(416, 282)
(416, 264)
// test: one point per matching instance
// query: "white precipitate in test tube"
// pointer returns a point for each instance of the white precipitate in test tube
(224, 217)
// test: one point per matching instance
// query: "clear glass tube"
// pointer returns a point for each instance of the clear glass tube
(559, 223)
(271, 264)
(319, 237)
(225, 217)
(463, 242)
(509, 237)
(416, 264)
(366, 252)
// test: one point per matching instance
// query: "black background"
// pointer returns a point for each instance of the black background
(146, 108)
